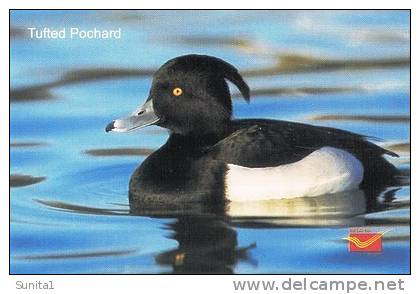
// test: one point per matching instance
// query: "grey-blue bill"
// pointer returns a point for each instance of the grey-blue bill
(141, 117)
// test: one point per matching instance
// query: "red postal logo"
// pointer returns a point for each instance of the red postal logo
(365, 241)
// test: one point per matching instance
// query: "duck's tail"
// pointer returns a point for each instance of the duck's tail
(379, 172)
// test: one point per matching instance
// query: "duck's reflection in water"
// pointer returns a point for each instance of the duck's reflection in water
(207, 238)
(206, 245)
(207, 242)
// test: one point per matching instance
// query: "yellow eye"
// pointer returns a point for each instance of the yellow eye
(177, 91)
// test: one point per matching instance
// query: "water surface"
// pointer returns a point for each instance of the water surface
(69, 179)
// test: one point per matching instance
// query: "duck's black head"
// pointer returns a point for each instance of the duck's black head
(189, 95)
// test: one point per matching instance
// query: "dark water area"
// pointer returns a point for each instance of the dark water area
(69, 179)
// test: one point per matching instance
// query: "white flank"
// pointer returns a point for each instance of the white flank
(324, 171)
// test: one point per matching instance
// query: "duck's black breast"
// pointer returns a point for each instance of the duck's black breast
(180, 172)
(187, 169)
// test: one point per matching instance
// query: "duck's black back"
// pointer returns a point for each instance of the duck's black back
(263, 143)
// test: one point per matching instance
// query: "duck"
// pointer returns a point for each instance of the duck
(212, 158)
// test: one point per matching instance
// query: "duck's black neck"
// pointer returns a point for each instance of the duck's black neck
(195, 142)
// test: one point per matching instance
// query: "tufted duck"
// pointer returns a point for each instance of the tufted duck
(212, 158)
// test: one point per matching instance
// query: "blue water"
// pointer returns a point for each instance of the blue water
(76, 220)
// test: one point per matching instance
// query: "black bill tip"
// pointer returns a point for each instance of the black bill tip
(110, 126)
